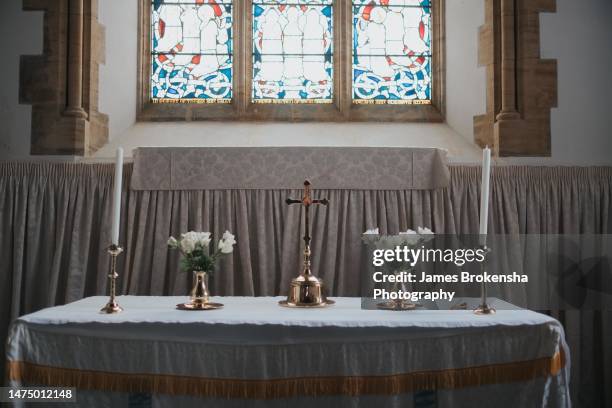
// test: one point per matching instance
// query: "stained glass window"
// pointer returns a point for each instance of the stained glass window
(191, 51)
(391, 51)
(292, 51)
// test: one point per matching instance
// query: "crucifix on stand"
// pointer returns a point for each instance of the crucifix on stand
(306, 290)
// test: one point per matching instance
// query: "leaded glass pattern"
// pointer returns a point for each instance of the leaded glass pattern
(292, 51)
(391, 51)
(191, 51)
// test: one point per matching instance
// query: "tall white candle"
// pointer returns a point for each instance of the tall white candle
(484, 191)
(117, 196)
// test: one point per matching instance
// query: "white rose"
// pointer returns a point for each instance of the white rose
(187, 244)
(226, 243)
(373, 231)
(172, 242)
(225, 247)
(203, 238)
(371, 236)
(191, 235)
(408, 237)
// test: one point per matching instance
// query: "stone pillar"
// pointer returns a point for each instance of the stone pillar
(62, 83)
(75, 61)
(508, 62)
(521, 87)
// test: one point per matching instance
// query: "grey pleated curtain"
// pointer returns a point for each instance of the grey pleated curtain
(269, 235)
(55, 225)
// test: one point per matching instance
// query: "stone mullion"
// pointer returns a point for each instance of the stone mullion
(241, 59)
(439, 56)
(342, 53)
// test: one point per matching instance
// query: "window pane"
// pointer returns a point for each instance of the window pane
(191, 51)
(392, 51)
(292, 51)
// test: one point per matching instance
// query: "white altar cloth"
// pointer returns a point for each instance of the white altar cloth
(253, 350)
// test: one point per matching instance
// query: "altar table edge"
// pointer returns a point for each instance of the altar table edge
(24, 368)
(21, 372)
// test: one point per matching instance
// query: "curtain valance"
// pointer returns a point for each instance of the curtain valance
(356, 168)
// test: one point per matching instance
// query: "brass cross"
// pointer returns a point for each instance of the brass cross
(307, 201)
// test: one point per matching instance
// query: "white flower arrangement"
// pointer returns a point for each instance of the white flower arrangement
(408, 238)
(195, 248)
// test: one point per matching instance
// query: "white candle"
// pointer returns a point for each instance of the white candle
(117, 196)
(484, 192)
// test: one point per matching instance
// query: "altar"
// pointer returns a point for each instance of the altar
(254, 353)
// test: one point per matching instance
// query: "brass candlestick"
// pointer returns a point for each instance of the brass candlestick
(484, 308)
(306, 290)
(112, 306)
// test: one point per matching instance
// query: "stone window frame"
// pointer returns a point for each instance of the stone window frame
(62, 83)
(341, 110)
(521, 86)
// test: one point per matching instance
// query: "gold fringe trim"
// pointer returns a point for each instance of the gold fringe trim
(30, 373)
